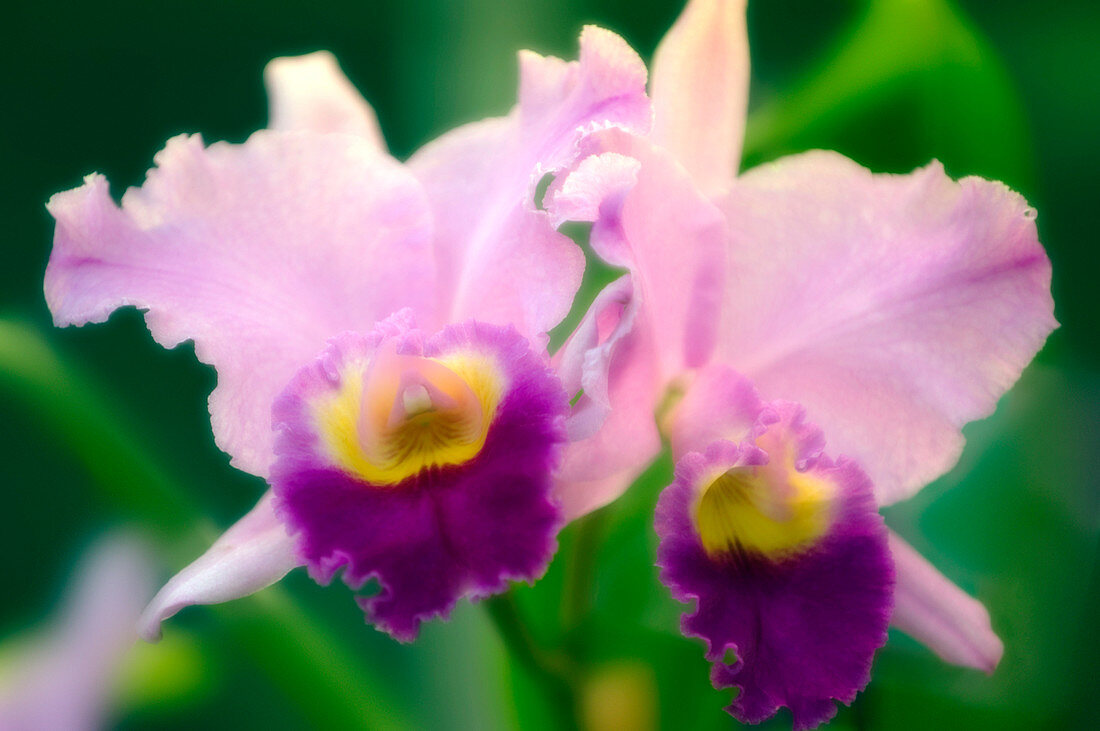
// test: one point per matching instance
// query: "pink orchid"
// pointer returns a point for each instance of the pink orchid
(760, 314)
(889, 310)
(310, 269)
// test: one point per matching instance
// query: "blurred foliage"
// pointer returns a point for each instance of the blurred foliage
(100, 425)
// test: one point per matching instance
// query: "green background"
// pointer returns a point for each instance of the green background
(99, 427)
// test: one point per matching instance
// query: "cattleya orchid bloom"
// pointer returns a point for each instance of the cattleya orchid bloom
(378, 329)
(764, 315)
(64, 678)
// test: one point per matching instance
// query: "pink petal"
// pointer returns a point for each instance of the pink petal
(719, 405)
(896, 308)
(599, 469)
(257, 252)
(65, 679)
(701, 90)
(501, 260)
(612, 432)
(311, 93)
(254, 553)
(928, 607)
(650, 218)
(594, 187)
(585, 358)
(605, 88)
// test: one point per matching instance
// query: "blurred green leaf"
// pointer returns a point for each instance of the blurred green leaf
(911, 80)
(333, 687)
(172, 672)
(76, 412)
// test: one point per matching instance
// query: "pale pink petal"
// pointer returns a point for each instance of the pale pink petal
(479, 225)
(254, 553)
(701, 90)
(258, 252)
(584, 361)
(896, 308)
(718, 405)
(65, 679)
(643, 331)
(598, 469)
(610, 360)
(481, 181)
(593, 191)
(929, 608)
(604, 88)
(650, 218)
(311, 93)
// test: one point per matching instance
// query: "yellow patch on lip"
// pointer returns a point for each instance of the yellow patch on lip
(398, 415)
(765, 511)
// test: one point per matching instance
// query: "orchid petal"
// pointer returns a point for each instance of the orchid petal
(642, 331)
(804, 603)
(464, 524)
(610, 360)
(719, 405)
(593, 192)
(701, 89)
(311, 93)
(257, 252)
(254, 553)
(929, 608)
(650, 218)
(503, 260)
(499, 260)
(585, 359)
(604, 88)
(896, 308)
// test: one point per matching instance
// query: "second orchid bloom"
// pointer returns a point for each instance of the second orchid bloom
(809, 338)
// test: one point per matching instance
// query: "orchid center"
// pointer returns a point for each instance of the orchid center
(763, 510)
(401, 415)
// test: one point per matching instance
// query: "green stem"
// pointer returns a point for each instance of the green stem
(555, 673)
(580, 570)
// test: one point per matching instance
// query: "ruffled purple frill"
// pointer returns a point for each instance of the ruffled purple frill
(801, 629)
(447, 532)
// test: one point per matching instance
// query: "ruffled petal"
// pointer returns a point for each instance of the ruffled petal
(609, 367)
(463, 525)
(701, 90)
(254, 553)
(649, 217)
(257, 252)
(929, 608)
(896, 308)
(644, 330)
(719, 405)
(604, 88)
(311, 93)
(503, 260)
(584, 361)
(791, 576)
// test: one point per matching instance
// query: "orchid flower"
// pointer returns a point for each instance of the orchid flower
(378, 329)
(64, 679)
(761, 315)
